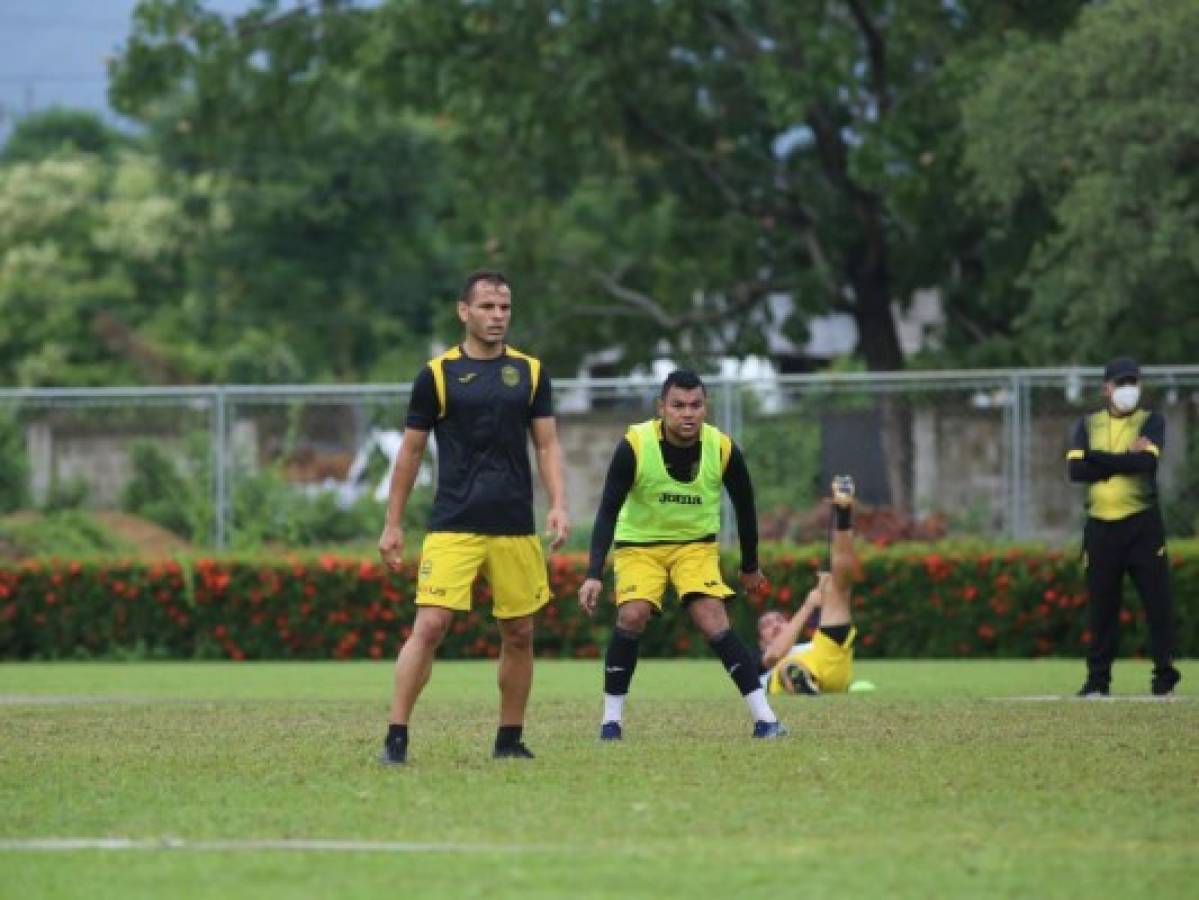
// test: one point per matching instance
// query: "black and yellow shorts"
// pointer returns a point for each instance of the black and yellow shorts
(513, 565)
(642, 573)
(830, 664)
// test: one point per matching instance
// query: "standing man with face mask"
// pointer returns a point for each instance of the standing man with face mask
(1115, 453)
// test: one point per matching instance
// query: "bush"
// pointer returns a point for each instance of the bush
(14, 464)
(158, 491)
(59, 533)
(965, 601)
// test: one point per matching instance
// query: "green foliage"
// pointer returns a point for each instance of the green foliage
(158, 491)
(1096, 134)
(783, 455)
(267, 509)
(336, 203)
(92, 271)
(972, 600)
(64, 495)
(61, 533)
(14, 463)
(650, 172)
(47, 133)
(1181, 505)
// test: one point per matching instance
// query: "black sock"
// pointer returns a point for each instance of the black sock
(844, 516)
(738, 661)
(620, 661)
(397, 735)
(507, 736)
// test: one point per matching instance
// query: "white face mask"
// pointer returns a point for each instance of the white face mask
(1126, 397)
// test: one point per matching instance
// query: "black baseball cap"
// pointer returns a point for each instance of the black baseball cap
(1121, 367)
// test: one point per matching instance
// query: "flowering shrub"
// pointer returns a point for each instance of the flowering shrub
(910, 601)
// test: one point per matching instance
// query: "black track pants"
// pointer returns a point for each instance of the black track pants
(1136, 545)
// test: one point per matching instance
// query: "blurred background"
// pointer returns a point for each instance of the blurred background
(898, 239)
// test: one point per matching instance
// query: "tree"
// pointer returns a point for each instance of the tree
(334, 250)
(52, 131)
(1101, 130)
(89, 249)
(655, 172)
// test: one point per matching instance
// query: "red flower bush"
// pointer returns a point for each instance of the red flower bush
(1013, 602)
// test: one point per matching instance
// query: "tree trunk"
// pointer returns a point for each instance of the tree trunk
(878, 339)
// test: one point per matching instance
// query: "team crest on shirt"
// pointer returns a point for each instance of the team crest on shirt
(510, 376)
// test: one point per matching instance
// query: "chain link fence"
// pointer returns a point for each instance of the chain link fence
(935, 454)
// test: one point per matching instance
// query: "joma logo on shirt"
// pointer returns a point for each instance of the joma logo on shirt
(685, 499)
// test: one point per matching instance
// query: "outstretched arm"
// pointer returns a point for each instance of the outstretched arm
(786, 639)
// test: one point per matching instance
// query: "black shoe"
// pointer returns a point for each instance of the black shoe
(1164, 681)
(610, 731)
(393, 754)
(1092, 689)
(514, 751)
(765, 731)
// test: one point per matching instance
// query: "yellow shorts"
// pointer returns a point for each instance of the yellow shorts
(643, 572)
(830, 663)
(513, 565)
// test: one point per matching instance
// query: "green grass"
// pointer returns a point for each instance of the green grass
(927, 787)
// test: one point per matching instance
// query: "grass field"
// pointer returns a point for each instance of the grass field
(931, 786)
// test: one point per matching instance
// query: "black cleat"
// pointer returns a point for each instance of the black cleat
(610, 731)
(515, 751)
(1164, 681)
(1091, 690)
(393, 754)
(765, 731)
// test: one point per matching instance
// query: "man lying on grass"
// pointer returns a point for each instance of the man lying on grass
(825, 664)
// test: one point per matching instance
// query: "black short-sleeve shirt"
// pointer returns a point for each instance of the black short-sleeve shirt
(480, 412)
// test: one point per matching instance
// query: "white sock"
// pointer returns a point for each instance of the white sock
(613, 707)
(759, 708)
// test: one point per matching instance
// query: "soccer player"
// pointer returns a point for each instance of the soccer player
(825, 665)
(1115, 452)
(482, 400)
(661, 502)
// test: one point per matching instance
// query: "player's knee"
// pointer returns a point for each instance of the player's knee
(634, 616)
(430, 630)
(710, 617)
(517, 634)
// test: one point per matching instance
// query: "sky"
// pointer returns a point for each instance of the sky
(54, 52)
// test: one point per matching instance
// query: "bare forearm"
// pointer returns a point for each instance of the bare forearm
(402, 480)
(553, 474)
(788, 637)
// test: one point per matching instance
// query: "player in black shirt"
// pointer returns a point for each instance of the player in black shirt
(482, 400)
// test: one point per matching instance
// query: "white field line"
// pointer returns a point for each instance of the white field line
(76, 699)
(1070, 698)
(305, 845)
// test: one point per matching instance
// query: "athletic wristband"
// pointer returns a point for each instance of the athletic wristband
(844, 516)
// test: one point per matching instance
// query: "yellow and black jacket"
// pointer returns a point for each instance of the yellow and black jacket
(1120, 483)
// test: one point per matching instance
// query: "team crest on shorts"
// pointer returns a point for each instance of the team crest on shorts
(510, 376)
(426, 567)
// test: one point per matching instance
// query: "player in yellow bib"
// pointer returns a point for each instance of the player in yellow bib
(826, 664)
(661, 503)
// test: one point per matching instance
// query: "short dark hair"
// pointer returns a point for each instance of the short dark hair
(685, 379)
(493, 277)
